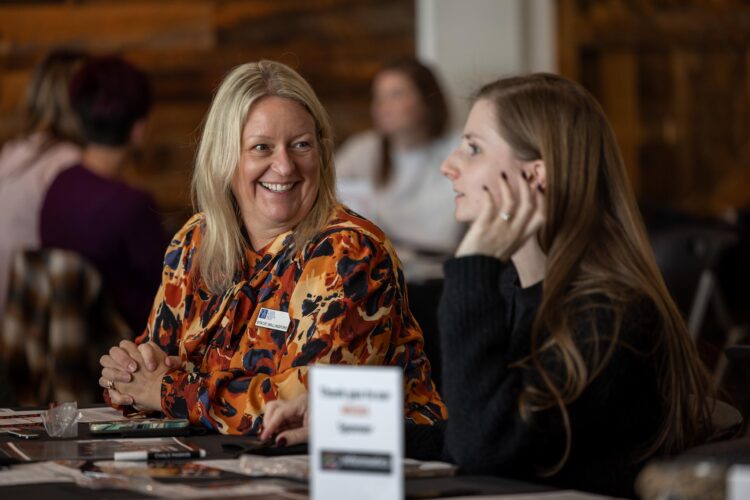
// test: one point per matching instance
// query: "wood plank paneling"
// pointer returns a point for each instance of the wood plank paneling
(108, 26)
(188, 46)
(684, 122)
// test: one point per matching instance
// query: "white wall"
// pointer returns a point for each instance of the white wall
(470, 42)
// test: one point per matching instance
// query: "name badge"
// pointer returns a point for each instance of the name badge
(275, 320)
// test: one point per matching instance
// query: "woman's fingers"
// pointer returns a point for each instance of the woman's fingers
(132, 350)
(152, 354)
(173, 362)
(116, 375)
(123, 359)
(277, 415)
(507, 200)
(487, 210)
(283, 414)
(293, 436)
(120, 399)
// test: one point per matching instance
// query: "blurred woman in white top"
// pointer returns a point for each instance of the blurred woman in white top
(49, 143)
(391, 175)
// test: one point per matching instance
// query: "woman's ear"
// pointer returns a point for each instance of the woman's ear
(540, 172)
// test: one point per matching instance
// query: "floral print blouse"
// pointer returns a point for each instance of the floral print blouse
(345, 296)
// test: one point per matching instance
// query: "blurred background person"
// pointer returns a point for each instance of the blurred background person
(89, 209)
(391, 175)
(49, 142)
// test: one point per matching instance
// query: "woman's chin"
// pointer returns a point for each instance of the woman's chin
(463, 215)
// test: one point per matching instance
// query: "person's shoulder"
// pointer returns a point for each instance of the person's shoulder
(115, 192)
(38, 150)
(184, 243)
(348, 229)
(358, 155)
(66, 184)
(346, 220)
(190, 232)
(367, 139)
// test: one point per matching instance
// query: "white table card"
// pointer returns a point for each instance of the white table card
(356, 432)
(738, 482)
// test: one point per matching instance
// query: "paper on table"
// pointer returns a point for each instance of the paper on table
(42, 472)
(298, 466)
(223, 464)
(103, 414)
(13, 418)
(551, 495)
(92, 449)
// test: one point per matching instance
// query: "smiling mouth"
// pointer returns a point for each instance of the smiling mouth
(277, 187)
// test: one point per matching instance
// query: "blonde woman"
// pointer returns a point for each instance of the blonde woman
(271, 275)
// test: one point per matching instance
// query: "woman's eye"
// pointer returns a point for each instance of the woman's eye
(473, 149)
(302, 145)
(260, 147)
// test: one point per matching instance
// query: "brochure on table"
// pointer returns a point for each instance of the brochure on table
(93, 449)
(356, 432)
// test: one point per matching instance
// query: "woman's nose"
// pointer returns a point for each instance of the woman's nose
(449, 168)
(282, 162)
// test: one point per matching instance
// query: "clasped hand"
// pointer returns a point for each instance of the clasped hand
(132, 374)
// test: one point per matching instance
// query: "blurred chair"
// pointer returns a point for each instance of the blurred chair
(738, 357)
(57, 324)
(688, 256)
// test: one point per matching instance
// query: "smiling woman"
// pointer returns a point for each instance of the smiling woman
(270, 276)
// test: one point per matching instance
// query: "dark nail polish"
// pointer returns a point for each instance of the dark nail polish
(485, 188)
(540, 189)
(281, 443)
(504, 175)
(523, 174)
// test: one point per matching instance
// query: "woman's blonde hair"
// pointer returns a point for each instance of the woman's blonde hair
(46, 105)
(596, 245)
(223, 244)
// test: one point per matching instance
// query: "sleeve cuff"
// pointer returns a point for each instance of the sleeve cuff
(173, 394)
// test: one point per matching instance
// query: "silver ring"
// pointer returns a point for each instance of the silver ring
(110, 384)
(505, 216)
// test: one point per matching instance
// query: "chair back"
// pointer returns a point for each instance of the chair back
(57, 323)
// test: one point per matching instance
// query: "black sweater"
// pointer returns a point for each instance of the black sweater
(485, 324)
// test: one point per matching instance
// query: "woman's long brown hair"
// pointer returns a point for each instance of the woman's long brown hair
(596, 245)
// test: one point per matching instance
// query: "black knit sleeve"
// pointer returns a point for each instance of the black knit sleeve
(484, 432)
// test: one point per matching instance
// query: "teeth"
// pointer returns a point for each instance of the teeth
(277, 188)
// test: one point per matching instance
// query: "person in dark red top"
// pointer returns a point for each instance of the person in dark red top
(89, 210)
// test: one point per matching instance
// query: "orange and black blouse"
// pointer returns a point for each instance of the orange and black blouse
(345, 296)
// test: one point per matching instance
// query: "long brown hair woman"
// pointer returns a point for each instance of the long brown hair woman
(569, 361)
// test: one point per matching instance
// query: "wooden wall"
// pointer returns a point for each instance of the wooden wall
(187, 46)
(674, 78)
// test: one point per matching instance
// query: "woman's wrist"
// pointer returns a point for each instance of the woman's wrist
(530, 263)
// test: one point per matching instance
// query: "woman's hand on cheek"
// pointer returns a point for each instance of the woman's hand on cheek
(500, 231)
